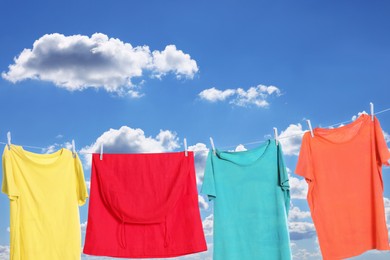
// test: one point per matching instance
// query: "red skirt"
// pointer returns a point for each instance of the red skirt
(143, 206)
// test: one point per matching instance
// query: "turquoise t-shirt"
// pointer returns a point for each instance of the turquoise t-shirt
(251, 195)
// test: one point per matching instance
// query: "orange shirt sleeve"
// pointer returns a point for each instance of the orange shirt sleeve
(382, 151)
(305, 165)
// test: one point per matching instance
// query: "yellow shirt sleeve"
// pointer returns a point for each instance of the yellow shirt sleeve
(9, 186)
(82, 192)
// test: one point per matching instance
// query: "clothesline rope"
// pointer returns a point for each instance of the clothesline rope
(225, 147)
(295, 135)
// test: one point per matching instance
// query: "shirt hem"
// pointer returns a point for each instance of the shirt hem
(109, 253)
(357, 253)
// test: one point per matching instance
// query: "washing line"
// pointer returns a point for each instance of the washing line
(295, 135)
(225, 147)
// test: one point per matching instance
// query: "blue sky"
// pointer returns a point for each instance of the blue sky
(258, 65)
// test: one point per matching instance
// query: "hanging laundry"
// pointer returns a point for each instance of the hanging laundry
(144, 206)
(251, 195)
(45, 191)
(343, 168)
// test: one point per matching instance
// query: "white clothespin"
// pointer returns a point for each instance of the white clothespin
(73, 149)
(212, 145)
(101, 151)
(372, 111)
(311, 129)
(185, 147)
(276, 135)
(9, 140)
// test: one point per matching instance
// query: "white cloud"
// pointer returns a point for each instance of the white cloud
(359, 114)
(208, 225)
(59, 136)
(387, 208)
(295, 214)
(8, 229)
(173, 60)
(240, 148)
(130, 140)
(200, 155)
(256, 96)
(83, 226)
(301, 227)
(88, 183)
(214, 95)
(291, 139)
(202, 203)
(304, 254)
(4, 252)
(387, 212)
(78, 62)
(270, 89)
(387, 136)
(301, 230)
(56, 146)
(298, 188)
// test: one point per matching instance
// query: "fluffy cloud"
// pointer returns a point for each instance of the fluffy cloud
(304, 254)
(130, 140)
(354, 117)
(78, 62)
(83, 226)
(214, 95)
(240, 148)
(4, 252)
(387, 137)
(387, 208)
(387, 212)
(256, 96)
(296, 213)
(291, 139)
(54, 147)
(173, 60)
(200, 155)
(298, 228)
(298, 188)
(301, 230)
(208, 225)
(203, 205)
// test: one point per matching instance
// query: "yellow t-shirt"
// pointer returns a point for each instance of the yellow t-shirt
(45, 191)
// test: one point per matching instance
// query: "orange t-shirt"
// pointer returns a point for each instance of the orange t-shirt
(343, 167)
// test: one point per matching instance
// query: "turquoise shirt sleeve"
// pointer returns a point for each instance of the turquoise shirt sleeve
(208, 186)
(283, 178)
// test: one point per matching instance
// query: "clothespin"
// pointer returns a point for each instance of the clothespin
(73, 149)
(310, 128)
(212, 145)
(276, 135)
(185, 147)
(101, 151)
(9, 140)
(372, 111)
